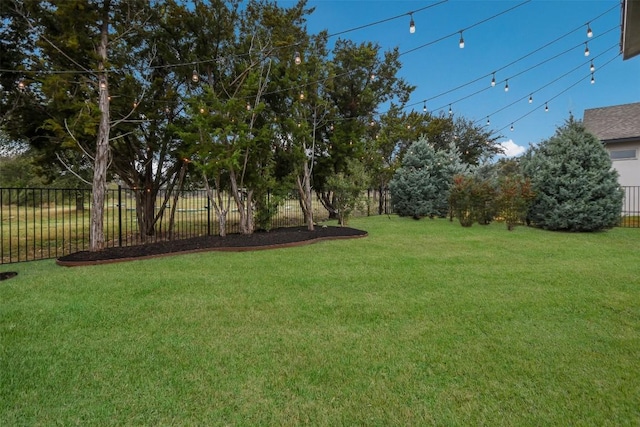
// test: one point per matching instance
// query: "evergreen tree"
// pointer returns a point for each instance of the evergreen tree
(420, 187)
(575, 186)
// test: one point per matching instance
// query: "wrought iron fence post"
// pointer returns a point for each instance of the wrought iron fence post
(208, 215)
(119, 215)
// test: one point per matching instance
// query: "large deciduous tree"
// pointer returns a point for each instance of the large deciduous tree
(361, 79)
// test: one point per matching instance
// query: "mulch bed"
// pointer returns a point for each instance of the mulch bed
(276, 238)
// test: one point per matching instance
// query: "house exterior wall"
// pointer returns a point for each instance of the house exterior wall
(628, 168)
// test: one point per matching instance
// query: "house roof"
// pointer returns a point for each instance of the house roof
(630, 26)
(618, 122)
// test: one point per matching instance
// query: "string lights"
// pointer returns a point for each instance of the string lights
(577, 82)
(298, 61)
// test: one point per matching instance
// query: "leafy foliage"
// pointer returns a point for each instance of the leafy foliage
(472, 199)
(348, 188)
(514, 198)
(576, 188)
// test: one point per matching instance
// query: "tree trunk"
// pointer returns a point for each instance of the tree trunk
(304, 190)
(218, 204)
(327, 198)
(244, 206)
(176, 195)
(99, 185)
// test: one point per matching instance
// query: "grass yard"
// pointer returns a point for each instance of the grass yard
(421, 323)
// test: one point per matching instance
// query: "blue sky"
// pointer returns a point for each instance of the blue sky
(557, 75)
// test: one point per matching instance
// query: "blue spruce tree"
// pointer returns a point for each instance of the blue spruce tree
(575, 187)
(420, 187)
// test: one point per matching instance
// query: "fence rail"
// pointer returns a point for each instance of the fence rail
(631, 207)
(43, 223)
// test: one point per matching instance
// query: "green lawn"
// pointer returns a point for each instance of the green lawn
(421, 323)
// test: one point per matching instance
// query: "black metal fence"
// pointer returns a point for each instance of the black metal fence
(43, 223)
(631, 207)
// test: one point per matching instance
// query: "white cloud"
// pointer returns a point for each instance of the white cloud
(511, 149)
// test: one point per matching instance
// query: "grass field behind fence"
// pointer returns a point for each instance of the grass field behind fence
(420, 323)
(39, 232)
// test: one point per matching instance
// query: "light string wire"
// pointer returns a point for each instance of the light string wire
(533, 67)
(204, 61)
(464, 29)
(386, 20)
(548, 83)
(403, 53)
(515, 61)
(557, 95)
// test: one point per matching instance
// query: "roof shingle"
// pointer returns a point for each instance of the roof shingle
(615, 122)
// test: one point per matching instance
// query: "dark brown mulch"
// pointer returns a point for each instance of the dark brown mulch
(280, 237)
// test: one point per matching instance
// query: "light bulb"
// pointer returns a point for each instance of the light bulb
(461, 43)
(592, 67)
(586, 49)
(593, 79)
(412, 25)
(506, 86)
(297, 59)
(546, 107)
(589, 32)
(493, 80)
(511, 127)
(530, 99)
(135, 103)
(488, 121)
(248, 107)
(450, 110)
(301, 96)
(201, 110)
(424, 107)
(194, 77)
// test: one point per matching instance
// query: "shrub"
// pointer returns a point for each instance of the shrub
(514, 199)
(472, 199)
